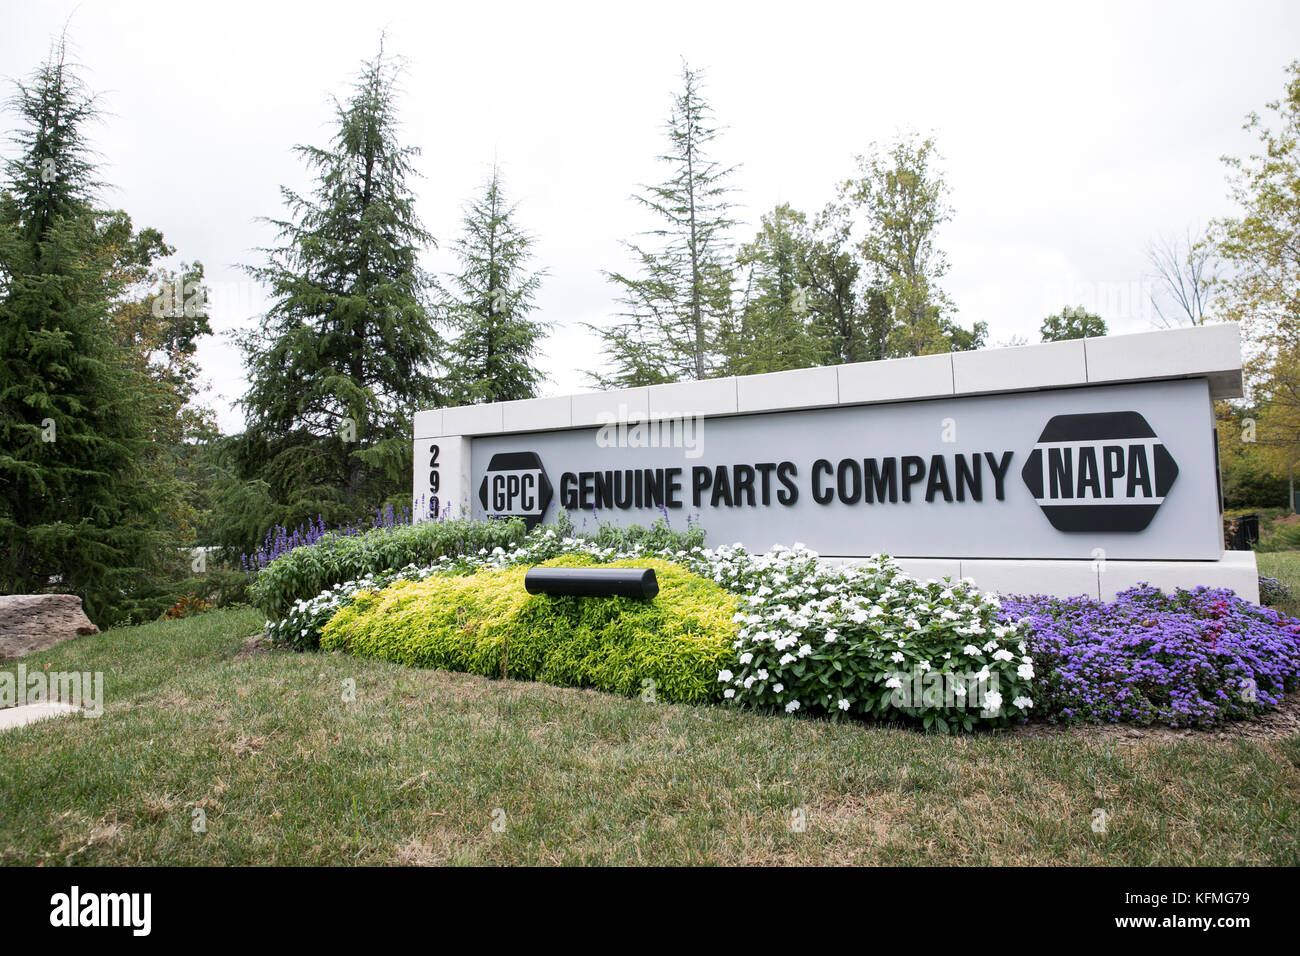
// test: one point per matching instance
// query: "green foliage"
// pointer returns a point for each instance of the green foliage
(655, 537)
(493, 356)
(345, 354)
(1260, 288)
(305, 572)
(899, 201)
(486, 623)
(1282, 534)
(680, 294)
(92, 410)
(1072, 323)
(772, 331)
(1248, 482)
(849, 322)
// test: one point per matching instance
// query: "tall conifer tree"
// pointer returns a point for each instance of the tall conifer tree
(493, 358)
(680, 294)
(82, 508)
(346, 353)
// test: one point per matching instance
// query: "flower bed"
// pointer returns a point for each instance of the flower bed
(486, 623)
(872, 642)
(1187, 659)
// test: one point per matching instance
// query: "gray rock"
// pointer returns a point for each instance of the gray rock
(33, 622)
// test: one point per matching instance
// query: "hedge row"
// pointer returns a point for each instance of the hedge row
(305, 572)
(486, 623)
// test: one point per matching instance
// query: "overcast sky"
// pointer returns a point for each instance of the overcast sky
(1071, 135)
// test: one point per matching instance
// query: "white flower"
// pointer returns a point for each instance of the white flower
(992, 701)
(842, 704)
(1024, 703)
(746, 657)
(924, 665)
(970, 650)
(983, 674)
(749, 681)
(787, 659)
(894, 682)
(729, 693)
(777, 688)
(1026, 671)
(1003, 655)
(896, 657)
(762, 674)
(791, 707)
(725, 676)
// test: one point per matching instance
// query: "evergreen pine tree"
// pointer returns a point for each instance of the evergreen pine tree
(345, 354)
(80, 510)
(497, 341)
(680, 295)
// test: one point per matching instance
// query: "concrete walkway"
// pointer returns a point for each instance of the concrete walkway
(11, 717)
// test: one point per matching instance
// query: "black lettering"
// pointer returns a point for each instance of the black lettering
(585, 487)
(1138, 471)
(999, 472)
(821, 466)
(701, 479)
(881, 479)
(743, 486)
(605, 489)
(721, 488)
(938, 483)
(970, 477)
(1112, 457)
(913, 472)
(654, 488)
(674, 481)
(569, 491)
(1088, 476)
(848, 480)
(1060, 472)
(765, 469)
(786, 472)
(623, 489)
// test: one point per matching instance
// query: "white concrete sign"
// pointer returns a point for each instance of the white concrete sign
(1069, 468)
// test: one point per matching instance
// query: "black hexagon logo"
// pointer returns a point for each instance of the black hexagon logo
(1099, 472)
(516, 485)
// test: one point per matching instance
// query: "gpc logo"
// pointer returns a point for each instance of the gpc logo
(516, 485)
(1104, 471)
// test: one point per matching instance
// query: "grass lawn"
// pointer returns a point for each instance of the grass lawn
(1285, 566)
(423, 763)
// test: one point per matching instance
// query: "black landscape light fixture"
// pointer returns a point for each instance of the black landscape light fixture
(593, 582)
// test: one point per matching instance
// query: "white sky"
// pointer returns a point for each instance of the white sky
(1071, 135)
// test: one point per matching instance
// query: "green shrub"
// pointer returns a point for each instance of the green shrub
(486, 623)
(305, 572)
(1280, 534)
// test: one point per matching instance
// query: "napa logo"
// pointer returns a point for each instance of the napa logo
(1099, 472)
(516, 485)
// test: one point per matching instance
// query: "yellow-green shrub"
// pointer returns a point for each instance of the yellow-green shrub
(486, 623)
